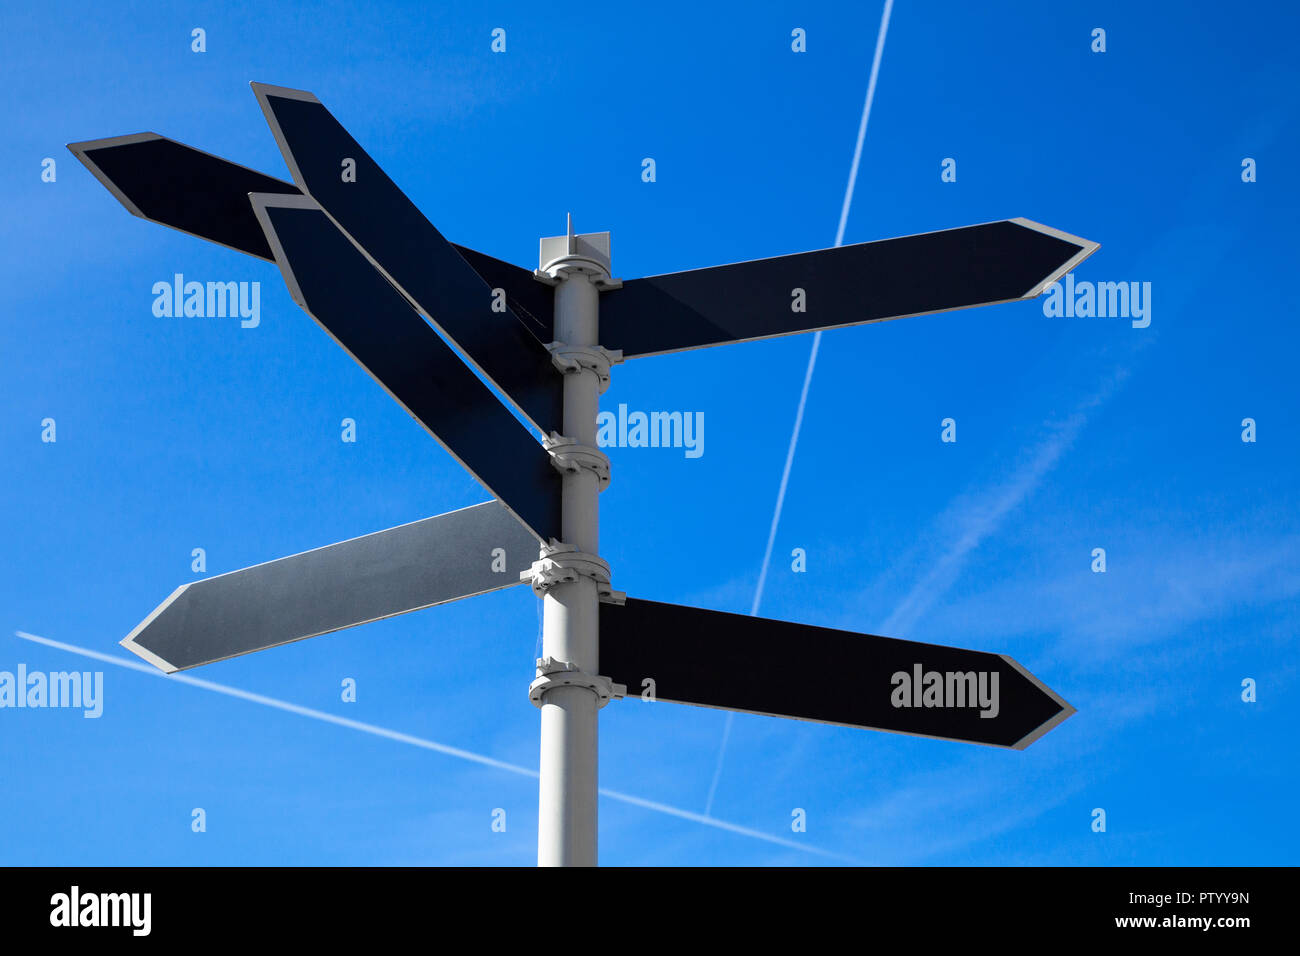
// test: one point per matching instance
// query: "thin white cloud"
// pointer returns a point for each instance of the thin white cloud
(1164, 585)
(422, 743)
(973, 518)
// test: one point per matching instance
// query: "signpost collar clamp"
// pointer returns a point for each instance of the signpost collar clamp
(575, 358)
(567, 456)
(564, 564)
(552, 673)
(595, 271)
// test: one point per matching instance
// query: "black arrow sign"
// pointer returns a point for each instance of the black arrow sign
(183, 188)
(753, 664)
(849, 285)
(175, 185)
(334, 284)
(412, 253)
(178, 186)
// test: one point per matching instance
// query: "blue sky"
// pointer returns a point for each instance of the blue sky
(1073, 433)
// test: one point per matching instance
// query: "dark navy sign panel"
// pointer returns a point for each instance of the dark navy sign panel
(412, 253)
(406, 568)
(753, 664)
(849, 285)
(175, 185)
(179, 186)
(532, 301)
(335, 284)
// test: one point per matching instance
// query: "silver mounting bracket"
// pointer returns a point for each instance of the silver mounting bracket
(552, 673)
(563, 564)
(557, 269)
(575, 358)
(567, 456)
(567, 255)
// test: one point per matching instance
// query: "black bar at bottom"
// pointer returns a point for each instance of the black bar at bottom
(983, 908)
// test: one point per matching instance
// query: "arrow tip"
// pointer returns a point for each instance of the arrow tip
(263, 90)
(147, 655)
(1086, 248)
(1065, 713)
(129, 642)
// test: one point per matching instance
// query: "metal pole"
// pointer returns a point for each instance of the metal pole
(570, 705)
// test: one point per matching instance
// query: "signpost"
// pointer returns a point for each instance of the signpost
(369, 268)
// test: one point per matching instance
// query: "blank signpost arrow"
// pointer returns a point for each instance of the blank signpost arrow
(163, 181)
(413, 566)
(847, 285)
(364, 262)
(760, 666)
(391, 231)
(183, 188)
(334, 284)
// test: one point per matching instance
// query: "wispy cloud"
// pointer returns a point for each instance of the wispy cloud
(1173, 582)
(971, 518)
(971, 800)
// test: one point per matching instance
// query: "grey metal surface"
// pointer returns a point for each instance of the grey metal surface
(567, 803)
(390, 572)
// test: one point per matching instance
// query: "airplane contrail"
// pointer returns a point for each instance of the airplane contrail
(808, 374)
(421, 742)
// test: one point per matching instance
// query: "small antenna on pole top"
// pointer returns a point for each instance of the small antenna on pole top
(589, 253)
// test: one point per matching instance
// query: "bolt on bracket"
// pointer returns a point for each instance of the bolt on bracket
(567, 456)
(564, 564)
(576, 358)
(552, 673)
